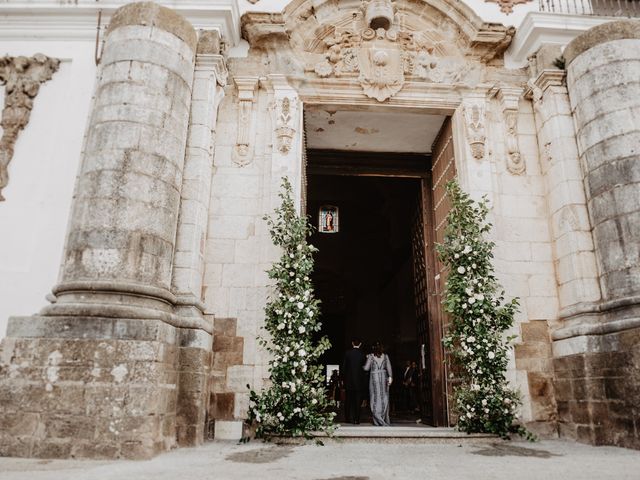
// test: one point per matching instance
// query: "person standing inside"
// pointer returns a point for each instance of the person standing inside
(353, 375)
(380, 379)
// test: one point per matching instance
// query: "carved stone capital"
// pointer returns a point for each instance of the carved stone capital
(22, 77)
(215, 64)
(247, 87)
(509, 98)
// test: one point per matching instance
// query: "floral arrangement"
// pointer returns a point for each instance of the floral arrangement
(295, 403)
(479, 317)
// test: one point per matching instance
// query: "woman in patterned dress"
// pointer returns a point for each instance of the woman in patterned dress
(380, 379)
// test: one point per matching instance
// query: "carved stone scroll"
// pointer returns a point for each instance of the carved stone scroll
(475, 118)
(509, 98)
(22, 77)
(242, 154)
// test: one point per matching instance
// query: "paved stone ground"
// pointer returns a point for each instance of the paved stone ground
(547, 460)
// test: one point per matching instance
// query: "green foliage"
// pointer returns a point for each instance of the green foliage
(479, 315)
(295, 403)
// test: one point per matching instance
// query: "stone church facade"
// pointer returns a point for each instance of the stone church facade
(190, 119)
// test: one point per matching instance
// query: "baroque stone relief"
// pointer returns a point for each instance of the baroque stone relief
(243, 150)
(380, 46)
(22, 77)
(506, 6)
(383, 53)
(475, 119)
(509, 98)
(284, 114)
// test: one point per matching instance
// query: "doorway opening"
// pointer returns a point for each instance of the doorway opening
(378, 214)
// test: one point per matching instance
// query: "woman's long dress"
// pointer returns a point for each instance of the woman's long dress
(380, 372)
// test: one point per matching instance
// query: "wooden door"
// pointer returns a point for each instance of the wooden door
(443, 169)
(421, 298)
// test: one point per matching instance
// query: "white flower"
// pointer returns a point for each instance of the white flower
(491, 355)
(300, 305)
(468, 291)
(281, 326)
(314, 401)
(296, 410)
(301, 329)
(293, 387)
(464, 306)
(311, 313)
(480, 297)
(291, 274)
(507, 401)
(473, 265)
(461, 269)
(471, 339)
(467, 249)
(472, 301)
(456, 256)
(301, 352)
(291, 255)
(468, 414)
(299, 247)
(484, 402)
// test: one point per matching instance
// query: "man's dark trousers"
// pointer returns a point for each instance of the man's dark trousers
(353, 383)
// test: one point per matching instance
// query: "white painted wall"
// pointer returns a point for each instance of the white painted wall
(33, 219)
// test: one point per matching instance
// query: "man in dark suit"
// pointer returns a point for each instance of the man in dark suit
(353, 375)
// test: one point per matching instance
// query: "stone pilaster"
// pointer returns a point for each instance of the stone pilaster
(97, 372)
(598, 373)
(574, 256)
(188, 267)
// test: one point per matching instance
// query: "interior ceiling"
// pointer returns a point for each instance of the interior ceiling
(371, 131)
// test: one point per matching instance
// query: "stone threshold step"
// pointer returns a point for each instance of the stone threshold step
(400, 434)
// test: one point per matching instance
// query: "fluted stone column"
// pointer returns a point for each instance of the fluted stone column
(97, 373)
(603, 80)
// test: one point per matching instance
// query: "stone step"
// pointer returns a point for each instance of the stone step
(405, 434)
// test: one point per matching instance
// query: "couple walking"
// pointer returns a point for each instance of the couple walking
(380, 379)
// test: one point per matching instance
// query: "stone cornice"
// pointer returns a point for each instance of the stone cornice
(49, 20)
(545, 79)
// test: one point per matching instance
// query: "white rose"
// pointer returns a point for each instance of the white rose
(300, 305)
(471, 339)
(461, 269)
(491, 355)
(314, 401)
(472, 301)
(301, 330)
(301, 352)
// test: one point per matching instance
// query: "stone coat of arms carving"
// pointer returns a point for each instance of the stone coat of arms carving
(382, 54)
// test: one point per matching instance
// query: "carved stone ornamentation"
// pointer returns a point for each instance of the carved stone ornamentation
(506, 6)
(509, 98)
(22, 77)
(382, 53)
(284, 110)
(475, 118)
(242, 153)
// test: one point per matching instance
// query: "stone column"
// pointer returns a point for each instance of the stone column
(188, 267)
(96, 373)
(603, 68)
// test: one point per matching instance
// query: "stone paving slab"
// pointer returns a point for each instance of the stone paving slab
(498, 460)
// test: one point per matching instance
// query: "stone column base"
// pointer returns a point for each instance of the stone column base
(598, 392)
(74, 387)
